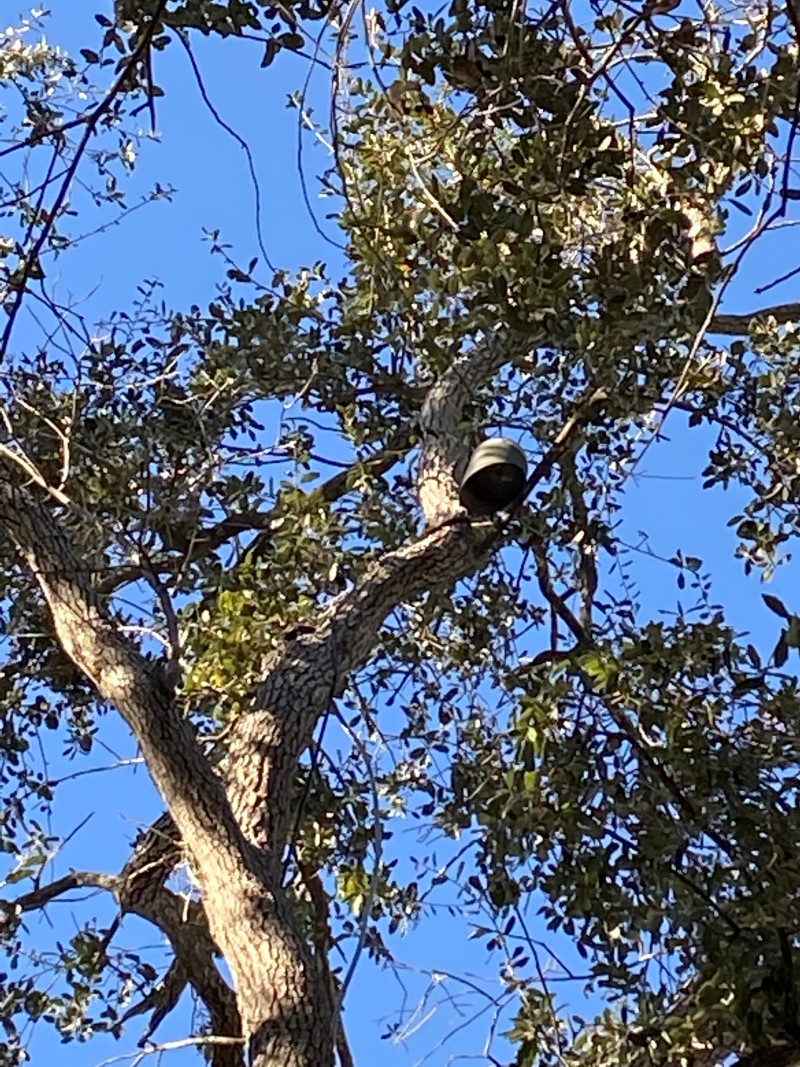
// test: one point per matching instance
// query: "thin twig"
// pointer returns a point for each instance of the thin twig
(91, 121)
(236, 136)
(171, 1046)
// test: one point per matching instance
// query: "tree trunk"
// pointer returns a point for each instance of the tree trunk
(234, 827)
(281, 988)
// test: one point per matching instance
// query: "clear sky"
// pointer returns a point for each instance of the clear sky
(209, 171)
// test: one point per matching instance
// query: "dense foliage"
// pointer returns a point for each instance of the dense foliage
(571, 178)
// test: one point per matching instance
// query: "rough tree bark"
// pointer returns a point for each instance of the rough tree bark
(232, 821)
(234, 824)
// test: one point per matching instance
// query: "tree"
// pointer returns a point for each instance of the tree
(536, 207)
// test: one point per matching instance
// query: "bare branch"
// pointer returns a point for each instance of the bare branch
(171, 1046)
(155, 854)
(739, 325)
(39, 898)
(186, 929)
(161, 1000)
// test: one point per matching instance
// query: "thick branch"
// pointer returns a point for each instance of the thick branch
(186, 929)
(305, 675)
(142, 892)
(139, 890)
(39, 898)
(445, 438)
(278, 985)
(120, 673)
(739, 325)
(156, 853)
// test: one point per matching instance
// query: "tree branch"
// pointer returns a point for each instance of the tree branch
(186, 929)
(303, 677)
(261, 523)
(121, 674)
(41, 897)
(31, 258)
(142, 892)
(309, 671)
(248, 911)
(445, 446)
(739, 325)
(334, 488)
(139, 890)
(161, 1000)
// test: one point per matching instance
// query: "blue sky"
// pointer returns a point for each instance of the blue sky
(209, 171)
